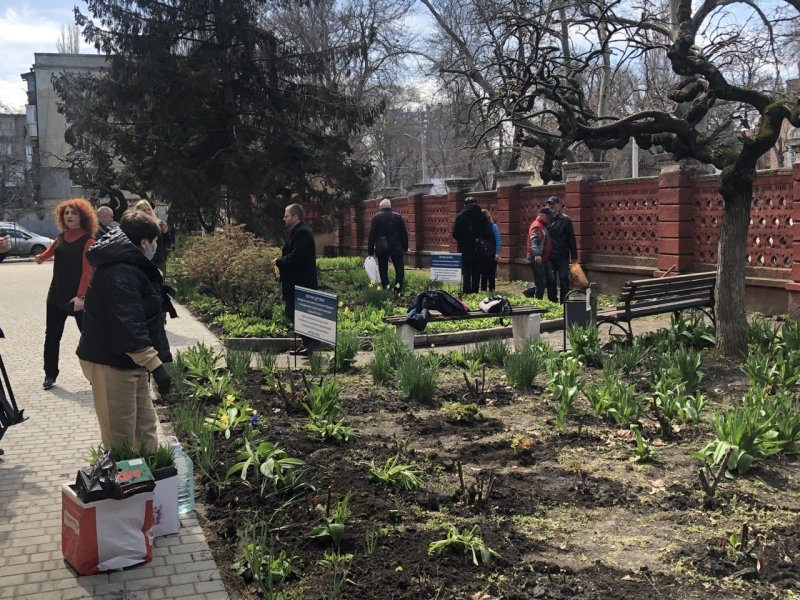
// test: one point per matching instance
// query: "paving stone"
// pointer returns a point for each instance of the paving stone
(63, 421)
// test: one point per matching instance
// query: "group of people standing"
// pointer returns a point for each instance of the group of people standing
(551, 247)
(106, 278)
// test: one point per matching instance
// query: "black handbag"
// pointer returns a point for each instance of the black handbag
(98, 482)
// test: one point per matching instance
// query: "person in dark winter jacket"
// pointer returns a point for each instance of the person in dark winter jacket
(565, 250)
(540, 248)
(388, 238)
(123, 337)
(297, 264)
(473, 232)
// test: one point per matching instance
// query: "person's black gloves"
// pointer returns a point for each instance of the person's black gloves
(163, 379)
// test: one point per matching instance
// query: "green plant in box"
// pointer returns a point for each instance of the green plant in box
(564, 385)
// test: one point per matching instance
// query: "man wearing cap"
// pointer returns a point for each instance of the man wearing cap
(473, 232)
(388, 238)
(540, 248)
(565, 250)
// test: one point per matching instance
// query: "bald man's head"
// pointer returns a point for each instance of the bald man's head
(105, 215)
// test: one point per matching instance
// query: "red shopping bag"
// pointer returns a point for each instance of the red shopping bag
(108, 534)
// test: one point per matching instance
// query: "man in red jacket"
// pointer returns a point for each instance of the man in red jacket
(540, 247)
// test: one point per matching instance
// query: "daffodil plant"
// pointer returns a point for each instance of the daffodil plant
(231, 415)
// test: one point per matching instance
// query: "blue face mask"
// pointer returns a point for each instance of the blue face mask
(149, 254)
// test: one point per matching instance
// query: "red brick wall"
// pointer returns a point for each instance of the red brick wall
(636, 226)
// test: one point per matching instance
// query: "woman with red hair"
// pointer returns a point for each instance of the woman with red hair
(77, 223)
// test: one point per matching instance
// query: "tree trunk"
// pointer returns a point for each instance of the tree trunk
(729, 304)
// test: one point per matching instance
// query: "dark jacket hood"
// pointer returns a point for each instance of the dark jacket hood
(115, 247)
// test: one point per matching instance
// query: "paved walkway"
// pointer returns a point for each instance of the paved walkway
(48, 449)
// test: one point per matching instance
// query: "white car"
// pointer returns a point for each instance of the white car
(23, 241)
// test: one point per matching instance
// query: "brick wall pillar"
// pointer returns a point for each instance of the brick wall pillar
(507, 215)
(416, 193)
(578, 201)
(675, 220)
(793, 286)
(457, 190)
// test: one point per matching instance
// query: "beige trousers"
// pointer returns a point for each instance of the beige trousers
(123, 405)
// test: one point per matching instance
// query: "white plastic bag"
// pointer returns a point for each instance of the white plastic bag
(371, 267)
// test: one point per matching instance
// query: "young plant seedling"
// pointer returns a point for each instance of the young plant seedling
(469, 541)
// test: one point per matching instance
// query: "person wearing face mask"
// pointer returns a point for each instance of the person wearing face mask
(123, 336)
(77, 222)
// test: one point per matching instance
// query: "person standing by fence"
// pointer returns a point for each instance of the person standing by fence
(565, 249)
(388, 239)
(490, 267)
(473, 233)
(539, 251)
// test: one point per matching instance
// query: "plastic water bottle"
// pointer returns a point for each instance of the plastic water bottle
(185, 478)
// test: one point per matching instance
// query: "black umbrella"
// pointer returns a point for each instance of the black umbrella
(9, 413)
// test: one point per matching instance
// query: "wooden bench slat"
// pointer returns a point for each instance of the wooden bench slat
(638, 283)
(667, 293)
(473, 314)
(665, 287)
(700, 297)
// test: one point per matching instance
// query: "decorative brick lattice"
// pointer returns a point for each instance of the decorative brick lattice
(769, 239)
(626, 219)
(436, 223)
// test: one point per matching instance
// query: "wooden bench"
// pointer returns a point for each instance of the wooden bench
(667, 295)
(525, 321)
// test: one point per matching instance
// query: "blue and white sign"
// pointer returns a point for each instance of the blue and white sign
(446, 267)
(315, 314)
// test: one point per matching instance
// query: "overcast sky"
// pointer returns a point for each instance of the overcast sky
(28, 26)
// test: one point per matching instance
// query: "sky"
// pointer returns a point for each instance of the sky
(28, 26)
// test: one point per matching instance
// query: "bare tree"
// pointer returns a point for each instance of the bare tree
(724, 108)
(69, 42)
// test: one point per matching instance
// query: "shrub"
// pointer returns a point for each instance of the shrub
(416, 378)
(249, 278)
(208, 257)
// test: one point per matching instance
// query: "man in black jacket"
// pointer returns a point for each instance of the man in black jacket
(297, 264)
(123, 337)
(388, 238)
(565, 250)
(473, 232)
